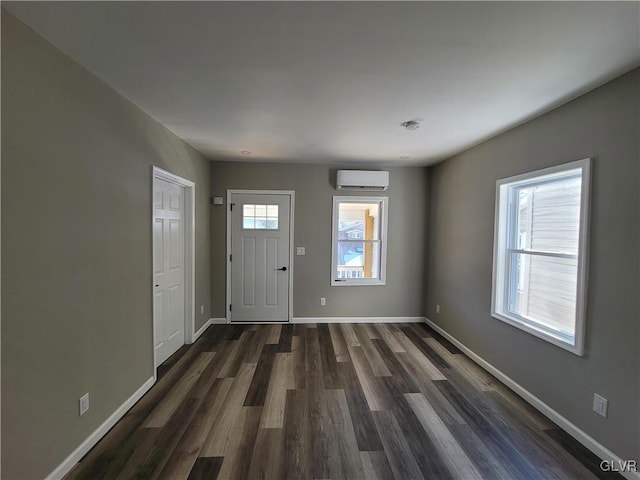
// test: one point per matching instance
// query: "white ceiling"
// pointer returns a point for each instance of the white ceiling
(332, 81)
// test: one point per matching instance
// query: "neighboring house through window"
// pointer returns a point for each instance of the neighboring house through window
(540, 253)
(359, 240)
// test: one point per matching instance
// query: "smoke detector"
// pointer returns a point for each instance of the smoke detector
(411, 124)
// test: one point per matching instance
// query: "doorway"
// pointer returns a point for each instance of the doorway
(259, 256)
(173, 246)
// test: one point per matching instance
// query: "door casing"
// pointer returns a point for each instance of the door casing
(292, 196)
(189, 255)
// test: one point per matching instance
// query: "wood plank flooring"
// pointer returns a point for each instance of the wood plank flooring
(392, 401)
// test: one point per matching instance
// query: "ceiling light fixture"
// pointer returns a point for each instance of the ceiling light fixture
(404, 157)
(245, 152)
(411, 124)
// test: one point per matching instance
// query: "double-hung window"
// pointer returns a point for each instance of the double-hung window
(540, 253)
(359, 241)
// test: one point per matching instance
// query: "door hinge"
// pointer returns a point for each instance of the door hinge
(230, 257)
(231, 206)
(229, 307)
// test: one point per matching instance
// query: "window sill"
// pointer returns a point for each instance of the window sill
(356, 283)
(538, 332)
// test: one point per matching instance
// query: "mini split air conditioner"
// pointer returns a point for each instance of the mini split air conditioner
(362, 180)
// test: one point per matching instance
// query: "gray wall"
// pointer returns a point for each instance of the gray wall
(314, 187)
(603, 124)
(76, 248)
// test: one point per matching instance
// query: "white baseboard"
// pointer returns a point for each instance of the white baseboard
(589, 442)
(358, 320)
(201, 330)
(92, 439)
(211, 321)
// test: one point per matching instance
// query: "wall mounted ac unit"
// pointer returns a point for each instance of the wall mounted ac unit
(362, 180)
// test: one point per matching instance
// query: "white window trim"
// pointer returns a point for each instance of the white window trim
(498, 291)
(344, 282)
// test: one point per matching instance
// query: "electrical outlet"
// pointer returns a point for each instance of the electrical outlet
(323, 301)
(600, 405)
(438, 309)
(83, 403)
(201, 309)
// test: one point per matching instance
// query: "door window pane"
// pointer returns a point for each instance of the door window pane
(260, 217)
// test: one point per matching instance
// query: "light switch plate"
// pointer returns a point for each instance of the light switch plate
(300, 251)
(600, 405)
(83, 404)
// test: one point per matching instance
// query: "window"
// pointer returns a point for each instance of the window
(359, 246)
(539, 262)
(259, 217)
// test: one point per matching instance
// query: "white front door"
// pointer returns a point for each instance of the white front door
(260, 255)
(168, 268)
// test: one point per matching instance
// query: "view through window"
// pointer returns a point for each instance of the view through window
(358, 246)
(539, 252)
(259, 217)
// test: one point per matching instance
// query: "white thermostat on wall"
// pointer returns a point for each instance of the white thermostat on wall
(218, 200)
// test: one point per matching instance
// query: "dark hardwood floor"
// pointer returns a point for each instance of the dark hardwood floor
(332, 402)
